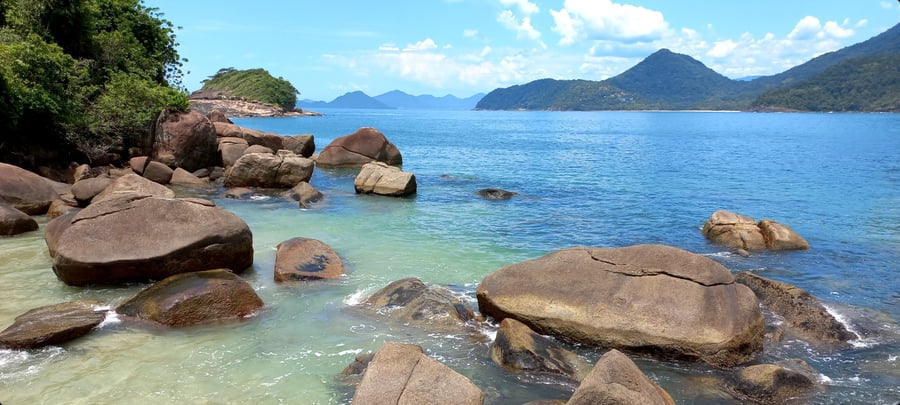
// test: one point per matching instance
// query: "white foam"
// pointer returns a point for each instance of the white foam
(824, 379)
(257, 197)
(859, 342)
(357, 297)
(346, 352)
(112, 317)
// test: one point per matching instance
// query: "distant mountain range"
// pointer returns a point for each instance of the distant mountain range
(395, 100)
(861, 77)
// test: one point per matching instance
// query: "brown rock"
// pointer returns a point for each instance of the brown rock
(252, 136)
(231, 149)
(282, 170)
(781, 237)
(379, 178)
(52, 325)
(777, 383)
(185, 140)
(85, 190)
(133, 184)
(616, 380)
(60, 207)
(303, 145)
(734, 230)
(24, 190)
(138, 163)
(401, 374)
(518, 348)
(305, 194)
(158, 172)
(361, 147)
(14, 222)
(194, 298)
(218, 116)
(259, 149)
(182, 177)
(409, 300)
(652, 299)
(306, 259)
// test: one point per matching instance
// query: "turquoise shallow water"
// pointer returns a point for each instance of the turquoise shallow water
(598, 179)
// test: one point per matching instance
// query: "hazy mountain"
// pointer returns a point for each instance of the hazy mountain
(395, 99)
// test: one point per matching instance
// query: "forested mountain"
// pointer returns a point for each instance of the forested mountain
(252, 85)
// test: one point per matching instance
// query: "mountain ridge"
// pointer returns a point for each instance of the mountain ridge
(396, 99)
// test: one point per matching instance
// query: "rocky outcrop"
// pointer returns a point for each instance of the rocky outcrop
(252, 136)
(24, 190)
(403, 374)
(231, 149)
(379, 178)
(185, 140)
(303, 145)
(409, 300)
(85, 190)
(616, 380)
(803, 313)
(361, 147)
(132, 184)
(244, 108)
(496, 194)
(14, 222)
(518, 348)
(305, 194)
(743, 232)
(281, 170)
(777, 383)
(194, 298)
(138, 238)
(652, 299)
(303, 259)
(218, 116)
(52, 325)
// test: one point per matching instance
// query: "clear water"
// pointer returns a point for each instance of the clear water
(598, 179)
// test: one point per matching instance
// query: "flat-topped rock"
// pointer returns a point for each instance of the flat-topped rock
(304, 259)
(24, 190)
(52, 325)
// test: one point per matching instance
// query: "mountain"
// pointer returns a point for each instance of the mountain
(399, 99)
(358, 99)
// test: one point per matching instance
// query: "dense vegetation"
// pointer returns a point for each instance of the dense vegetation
(252, 84)
(86, 76)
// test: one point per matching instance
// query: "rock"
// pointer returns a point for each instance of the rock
(409, 300)
(194, 298)
(616, 380)
(361, 147)
(259, 149)
(517, 347)
(137, 238)
(305, 194)
(183, 177)
(239, 193)
(777, 383)
(744, 233)
(301, 259)
(133, 184)
(186, 140)
(651, 299)
(379, 178)
(14, 222)
(781, 237)
(252, 136)
(158, 172)
(60, 207)
(218, 116)
(52, 325)
(138, 163)
(24, 190)
(303, 145)
(359, 365)
(496, 194)
(403, 374)
(231, 149)
(282, 170)
(55, 228)
(60, 188)
(803, 313)
(85, 190)
(202, 173)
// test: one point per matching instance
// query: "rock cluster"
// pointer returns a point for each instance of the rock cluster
(742, 232)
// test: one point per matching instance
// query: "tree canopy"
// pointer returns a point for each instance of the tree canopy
(253, 84)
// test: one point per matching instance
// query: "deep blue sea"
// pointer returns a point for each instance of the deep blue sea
(583, 178)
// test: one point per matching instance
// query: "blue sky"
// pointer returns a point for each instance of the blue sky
(463, 47)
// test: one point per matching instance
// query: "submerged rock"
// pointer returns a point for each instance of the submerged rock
(517, 347)
(301, 259)
(52, 325)
(615, 379)
(305, 194)
(652, 299)
(777, 383)
(409, 300)
(403, 374)
(496, 194)
(361, 147)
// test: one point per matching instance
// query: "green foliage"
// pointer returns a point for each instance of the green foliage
(253, 84)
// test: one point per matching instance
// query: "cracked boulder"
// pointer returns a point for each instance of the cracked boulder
(136, 238)
(743, 232)
(284, 169)
(361, 147)
(650, 299)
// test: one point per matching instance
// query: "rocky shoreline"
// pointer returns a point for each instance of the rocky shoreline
(246, 109)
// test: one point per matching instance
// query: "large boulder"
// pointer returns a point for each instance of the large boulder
(181, 177)
(281, 170)
(379, 178)
(158, 172)
(184, 139)
(231, 149)
(781, 237)
(779, 383)
(519, 348)
(410, 301)
(743, 232)
(194, 298)
(14, 222)
(24, 190)
(85, 190)
(252, 136)
(52, 325)
(652, 299)
(132, 184)
(616, 380)
(305, 194)
(301, 259)
(361, 147)
(303, 145)
(401, 374)
(804, 314)
(138, 238)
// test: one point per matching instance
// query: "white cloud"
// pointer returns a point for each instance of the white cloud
(887, 5)
(523, 27)
(834, 30)
(722, 49)
(525, 6)
(603, 19)
(423, 45)
(470, 33)
(807, 28)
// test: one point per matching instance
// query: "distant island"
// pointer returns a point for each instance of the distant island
(247, 93)
(861, 77)
(395, 99)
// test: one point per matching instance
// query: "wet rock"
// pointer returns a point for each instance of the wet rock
(781, 237)
(409, 300)
(777, 383)
(651, 299)
(132, 184)
(382, 179)
(403, 374)
(239, 193)
(194, 298)
(615, 379)
(138, 238)
(14, 222)
(303, 259)
(52, 325)
(184, 139)
(305, 194)
(518, 348)
(803, 313)
(60, 207)
(24, 190)
(744, 233)
(282, 170)
(496, 194)
(363, 146)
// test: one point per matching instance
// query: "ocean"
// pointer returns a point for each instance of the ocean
(583, 179)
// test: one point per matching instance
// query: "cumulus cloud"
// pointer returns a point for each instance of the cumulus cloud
(722, 49)
(580, 20)
(523, 27)
(525, 6)
(469, 33)
(422, 45)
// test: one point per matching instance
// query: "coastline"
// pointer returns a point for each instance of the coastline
(247, 109)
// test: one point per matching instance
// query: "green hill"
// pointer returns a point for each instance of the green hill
(252, 84)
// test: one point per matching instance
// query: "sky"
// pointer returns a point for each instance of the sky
(327, 48)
